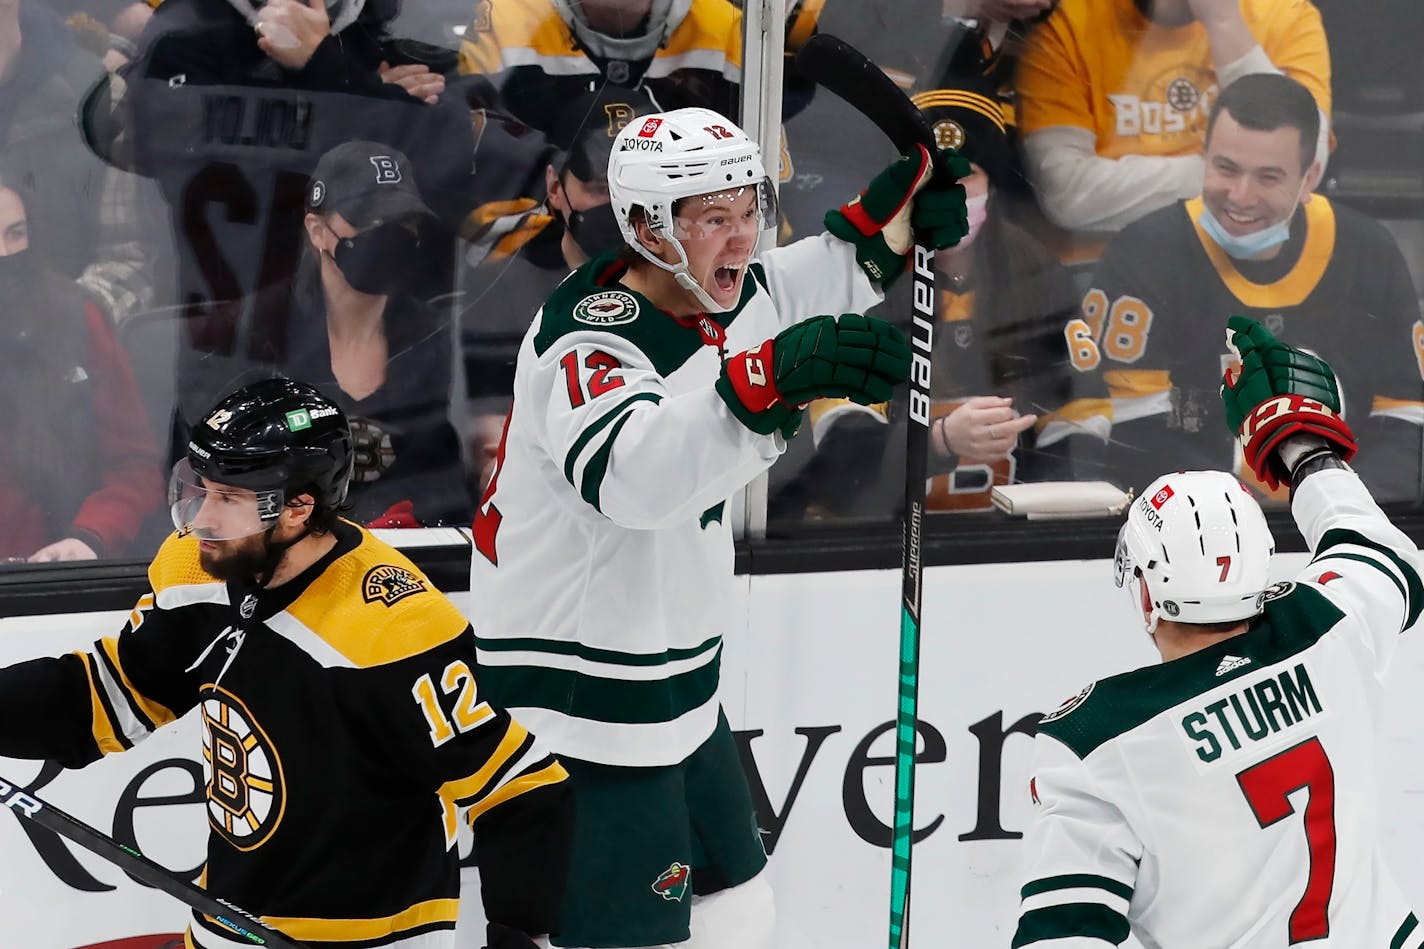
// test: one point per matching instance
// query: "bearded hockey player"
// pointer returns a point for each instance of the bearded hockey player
(652, 386)
(343, 734)
(1227, 796)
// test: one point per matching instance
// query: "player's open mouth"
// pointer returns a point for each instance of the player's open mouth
(1242, 220)
(726, 277)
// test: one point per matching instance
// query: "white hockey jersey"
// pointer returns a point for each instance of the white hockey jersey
(1227, 799)
(603, 562)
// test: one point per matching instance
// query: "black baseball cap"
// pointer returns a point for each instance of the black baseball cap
(367, 183)
(967, 116)
(584, 129)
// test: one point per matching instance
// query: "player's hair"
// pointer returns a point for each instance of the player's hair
(1268, 101)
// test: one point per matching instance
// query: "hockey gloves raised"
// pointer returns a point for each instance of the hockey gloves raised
(1280, 391)
(854, 357)
(914, 196)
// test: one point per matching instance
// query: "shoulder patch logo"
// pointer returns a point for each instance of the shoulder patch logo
(390, 584)
(1277, 590)
(673, 882)
(609, 308)
(1069, 705)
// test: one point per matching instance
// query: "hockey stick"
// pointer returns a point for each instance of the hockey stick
(244, 924)
(845, 71)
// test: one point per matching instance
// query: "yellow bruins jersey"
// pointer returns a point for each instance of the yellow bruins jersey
(1145, 89)
(538, 64)
(343, 737)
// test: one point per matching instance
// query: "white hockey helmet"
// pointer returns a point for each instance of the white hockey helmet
(1201, 544)
(660, 159)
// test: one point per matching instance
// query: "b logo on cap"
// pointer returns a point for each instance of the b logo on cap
(387, 171)
(318, 194)
(949, 134)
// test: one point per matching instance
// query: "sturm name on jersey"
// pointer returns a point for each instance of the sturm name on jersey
(1255, 711)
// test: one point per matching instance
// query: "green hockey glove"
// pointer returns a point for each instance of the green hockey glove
(855, 357)
(1280, 391)
(913, 196)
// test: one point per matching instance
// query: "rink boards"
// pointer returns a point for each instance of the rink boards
(809, 685)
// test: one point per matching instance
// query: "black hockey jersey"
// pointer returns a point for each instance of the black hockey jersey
(343, 735)
(1150, 350)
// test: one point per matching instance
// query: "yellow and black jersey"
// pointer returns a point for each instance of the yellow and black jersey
(531, 54)
(1149, 346)
(344, 735)
(1146, 89)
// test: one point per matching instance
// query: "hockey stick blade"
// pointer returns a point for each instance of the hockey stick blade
(244, 924)
(846, 71)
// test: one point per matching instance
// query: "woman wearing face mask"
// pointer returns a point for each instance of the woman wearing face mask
(385, 357)
(79, 469)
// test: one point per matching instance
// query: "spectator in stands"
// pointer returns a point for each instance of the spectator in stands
(228, 106)
(83, 217)
(998, 353)
(539, 53)
(358, 335)
(1149, 346)
(522, 256)
(79, 470)
(1113, 95)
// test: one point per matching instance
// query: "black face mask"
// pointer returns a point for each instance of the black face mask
(595, 230)
(14, 272)
(378, 261)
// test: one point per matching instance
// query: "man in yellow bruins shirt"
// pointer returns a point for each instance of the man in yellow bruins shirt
(343, 731)
(1114, 95)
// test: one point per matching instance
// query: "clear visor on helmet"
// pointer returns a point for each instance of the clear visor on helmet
(1123, 567)
(219, 512)
(751, 208)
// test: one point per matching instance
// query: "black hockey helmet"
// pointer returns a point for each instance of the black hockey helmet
(276, 435)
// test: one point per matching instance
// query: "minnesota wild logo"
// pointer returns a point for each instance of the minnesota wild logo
(672, 883)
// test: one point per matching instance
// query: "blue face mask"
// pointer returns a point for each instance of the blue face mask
(1246, 246)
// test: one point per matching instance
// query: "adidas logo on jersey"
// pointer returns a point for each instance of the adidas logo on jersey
(1231, 662)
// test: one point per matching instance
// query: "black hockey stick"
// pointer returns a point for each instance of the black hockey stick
(244, 924)
(845, 71)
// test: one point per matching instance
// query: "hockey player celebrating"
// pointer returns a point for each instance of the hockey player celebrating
(652, 386)
(343, 735)
(1167, 798)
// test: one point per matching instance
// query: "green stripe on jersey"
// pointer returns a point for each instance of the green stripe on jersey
(1295, 618)
(1410, 923)
(1415, 592)
(593, 654)
(597, 466)
(590, 433)
(1072, 881)
(616, 701)
(1093, 920)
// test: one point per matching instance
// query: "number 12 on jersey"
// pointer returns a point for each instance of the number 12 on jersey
(1267, 786)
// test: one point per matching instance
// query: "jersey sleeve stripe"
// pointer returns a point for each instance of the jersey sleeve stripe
(597, 466)
(603, 421)
(1073, 896)
(1401, 935)
(593, 654)
(133, 725)
(1090, 920)
(452, 793)
(151, 713)
(1415, 587)
(107, 736)
(1076, 881)
(553, 773)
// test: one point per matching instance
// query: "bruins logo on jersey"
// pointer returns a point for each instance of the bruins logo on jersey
(390, 584)
(246, 793)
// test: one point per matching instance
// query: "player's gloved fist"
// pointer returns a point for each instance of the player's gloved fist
(882, 219)
(1280, 391)
(854, 357)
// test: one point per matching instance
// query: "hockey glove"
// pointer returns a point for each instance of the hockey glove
(913, 196)
(854, 357)
(1280, 391)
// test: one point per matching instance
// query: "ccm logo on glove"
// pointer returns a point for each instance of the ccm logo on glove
(1279, 406)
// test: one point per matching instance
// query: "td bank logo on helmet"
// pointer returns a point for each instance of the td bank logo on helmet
(299, 419)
